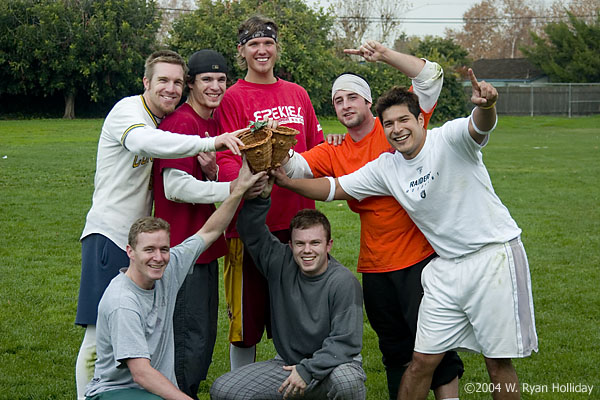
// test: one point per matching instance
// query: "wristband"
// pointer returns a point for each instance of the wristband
(488, 107)
(479, 130)
(331, 188)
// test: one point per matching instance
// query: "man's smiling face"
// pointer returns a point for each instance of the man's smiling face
(149, 258)
(163, 91)
(403, 131)
(310, 248)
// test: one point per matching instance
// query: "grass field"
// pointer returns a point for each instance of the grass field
(546, 170)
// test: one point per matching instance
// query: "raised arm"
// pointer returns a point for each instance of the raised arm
(427, 77)
(484, 118)
(374, 51)
(220, 219)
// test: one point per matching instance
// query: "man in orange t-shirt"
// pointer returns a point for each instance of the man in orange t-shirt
(393, 251)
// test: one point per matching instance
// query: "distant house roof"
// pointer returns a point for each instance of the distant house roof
(507, 69)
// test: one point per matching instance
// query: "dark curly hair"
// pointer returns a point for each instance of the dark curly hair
(397, 96)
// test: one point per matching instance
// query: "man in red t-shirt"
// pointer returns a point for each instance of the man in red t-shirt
(259, 96)
(185, 191)
(393, 251)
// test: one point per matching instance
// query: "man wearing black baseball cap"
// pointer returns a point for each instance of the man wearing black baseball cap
(185, 191)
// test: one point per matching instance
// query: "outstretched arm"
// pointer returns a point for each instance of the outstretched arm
(181, 187)
(316, 189)
(229, 141)
(484, 117)
(296, 166)
(374, 51)
(427, 77)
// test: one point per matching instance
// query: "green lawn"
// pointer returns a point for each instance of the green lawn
(546, 170)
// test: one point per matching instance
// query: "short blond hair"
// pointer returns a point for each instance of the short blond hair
(166, 56)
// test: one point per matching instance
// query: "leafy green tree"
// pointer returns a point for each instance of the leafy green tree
(94, 47)
(454, 59)
(306, 58)
(569, 51)
(16, 18)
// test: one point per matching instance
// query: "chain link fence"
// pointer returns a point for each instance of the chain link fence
(565, 99)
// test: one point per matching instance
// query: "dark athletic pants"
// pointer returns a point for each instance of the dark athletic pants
(392, 302)
(195, 326)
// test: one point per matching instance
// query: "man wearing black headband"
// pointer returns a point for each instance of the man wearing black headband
(259, 96)
(185, 191)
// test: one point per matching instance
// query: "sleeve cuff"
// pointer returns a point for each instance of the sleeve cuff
(207, 144)
(430, 70)
(303, 372)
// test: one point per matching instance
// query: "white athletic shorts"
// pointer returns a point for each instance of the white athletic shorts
(480, 302)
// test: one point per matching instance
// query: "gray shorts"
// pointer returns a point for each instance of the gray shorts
(101, 261)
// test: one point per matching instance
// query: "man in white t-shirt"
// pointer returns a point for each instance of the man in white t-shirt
(477, 293)
(128, 142)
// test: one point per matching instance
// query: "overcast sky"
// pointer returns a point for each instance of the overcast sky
(431, 17)
(428, 17)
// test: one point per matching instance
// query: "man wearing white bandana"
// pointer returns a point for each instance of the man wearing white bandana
(393, 251)
(259, 96)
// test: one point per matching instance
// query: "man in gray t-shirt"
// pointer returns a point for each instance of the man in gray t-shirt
(134, 337)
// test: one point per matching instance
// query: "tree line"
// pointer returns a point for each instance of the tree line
(91, 52)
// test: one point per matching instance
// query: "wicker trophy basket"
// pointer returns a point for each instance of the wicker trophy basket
(257, 148)
(283, 138)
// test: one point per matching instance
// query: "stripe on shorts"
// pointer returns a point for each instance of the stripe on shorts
(523, 299)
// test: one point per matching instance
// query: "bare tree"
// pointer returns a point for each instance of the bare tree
(498, 28)
(481, 31)
(583, 9)
(518, 19)
(389, 13)
(357, 20)
(352, 22)
(171, 10)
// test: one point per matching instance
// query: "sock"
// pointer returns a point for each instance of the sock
(84, 367)
(240, 356)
